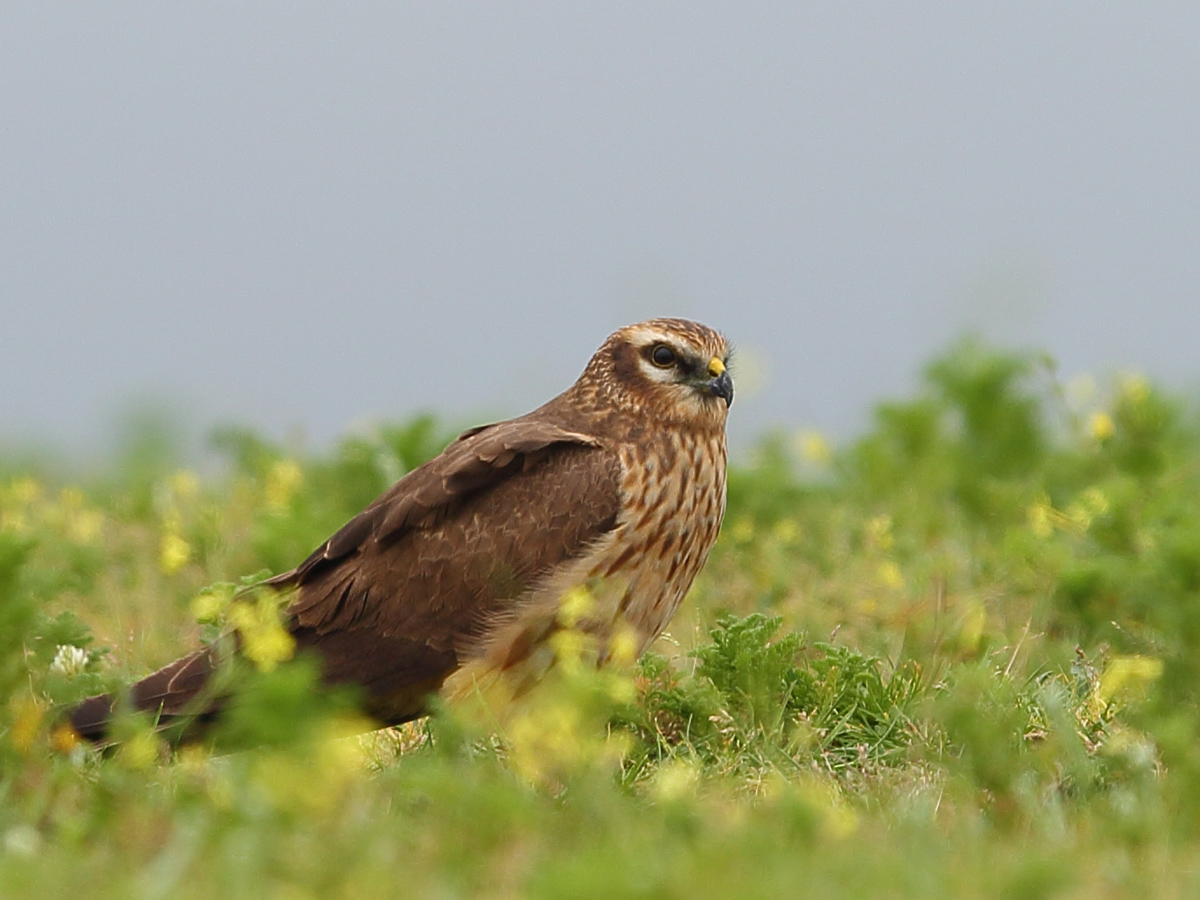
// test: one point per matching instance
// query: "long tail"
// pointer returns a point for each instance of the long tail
(173, 694)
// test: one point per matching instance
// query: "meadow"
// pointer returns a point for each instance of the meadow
(957, 657)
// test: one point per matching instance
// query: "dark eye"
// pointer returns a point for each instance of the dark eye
(663, 356)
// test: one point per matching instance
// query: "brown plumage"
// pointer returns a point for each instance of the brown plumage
(459, 569)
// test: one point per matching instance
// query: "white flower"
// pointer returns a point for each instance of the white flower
(69, 660)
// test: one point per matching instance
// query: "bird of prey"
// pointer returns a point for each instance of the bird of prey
(616, 485)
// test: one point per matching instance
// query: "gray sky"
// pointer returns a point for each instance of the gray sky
(315, 215)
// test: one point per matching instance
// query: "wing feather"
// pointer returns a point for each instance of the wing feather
(391, 598)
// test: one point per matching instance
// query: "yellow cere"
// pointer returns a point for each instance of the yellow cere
(716, 368)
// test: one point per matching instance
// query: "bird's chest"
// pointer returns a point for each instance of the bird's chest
(674, 499)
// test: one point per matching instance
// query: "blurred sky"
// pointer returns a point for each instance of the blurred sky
(309, 216)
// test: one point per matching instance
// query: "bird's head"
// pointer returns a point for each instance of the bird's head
(675, 370)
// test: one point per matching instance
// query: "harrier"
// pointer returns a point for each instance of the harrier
(616, 485)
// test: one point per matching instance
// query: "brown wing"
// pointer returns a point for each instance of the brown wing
(170, 694)
(392, 598)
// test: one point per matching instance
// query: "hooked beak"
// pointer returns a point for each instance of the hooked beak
(720, 385)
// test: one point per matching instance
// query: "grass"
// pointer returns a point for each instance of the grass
(959, 657)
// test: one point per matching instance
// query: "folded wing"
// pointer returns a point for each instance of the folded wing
(392, 601)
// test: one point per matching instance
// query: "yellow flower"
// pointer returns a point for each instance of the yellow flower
(548, 738)
(742, 530)
(620, 686)
(890, 575)
(174, 553)
(283, 480)
(206, 608)
(185, 484)
(675, 780)
(1101, 426)
(1040, 515)
(26, 491)
(1094, 501)
(27, 723)
(64, 738)
(141, 751)
(314, 778)
(1079, 517)
(80, 524)
(786, 531)
(70, 498)
(265, 641)
(85, 526)
(570, 647)
(14, 522)
(879, 532)
(973, 624)
(623, 645)
(1128, 674)
(554, 734)
(815, 448)
(575, 604)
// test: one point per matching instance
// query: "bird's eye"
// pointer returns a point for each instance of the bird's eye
(662, 356)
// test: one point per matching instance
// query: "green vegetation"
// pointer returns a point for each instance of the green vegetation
(957, 658)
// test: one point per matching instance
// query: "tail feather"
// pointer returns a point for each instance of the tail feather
(174, 693)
